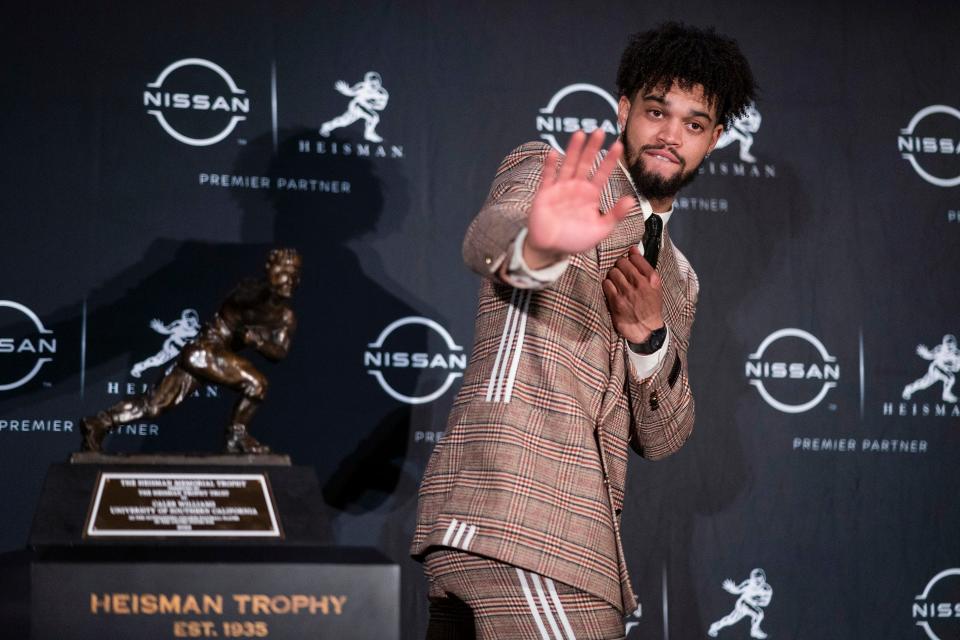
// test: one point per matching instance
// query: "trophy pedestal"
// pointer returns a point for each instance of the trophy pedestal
(175, 546)
(70, 490)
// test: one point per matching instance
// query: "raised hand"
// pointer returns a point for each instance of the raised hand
(565, 214)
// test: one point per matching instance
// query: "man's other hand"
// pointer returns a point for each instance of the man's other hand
(632, 289)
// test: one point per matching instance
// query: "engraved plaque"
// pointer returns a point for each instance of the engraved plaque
(223, 505)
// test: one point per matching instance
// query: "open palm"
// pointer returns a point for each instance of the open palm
(565, 214)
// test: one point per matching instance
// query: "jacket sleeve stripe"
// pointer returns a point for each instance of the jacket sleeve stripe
(503, 342)
(516, 354)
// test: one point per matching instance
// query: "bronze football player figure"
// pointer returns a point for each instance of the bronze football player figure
(256, 314)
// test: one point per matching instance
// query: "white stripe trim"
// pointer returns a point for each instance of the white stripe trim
(532, 605)
(456, 538)
(559, 607)
(446, 536)
(546, 606)
(506, 359)
(469, 538)
(516, 354)
(503, 340)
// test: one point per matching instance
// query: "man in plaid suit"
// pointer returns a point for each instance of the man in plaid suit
(580, 353)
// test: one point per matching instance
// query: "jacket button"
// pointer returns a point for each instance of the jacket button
(488, 260)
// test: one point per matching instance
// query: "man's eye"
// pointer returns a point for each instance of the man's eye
(695, 126)
(656, 113)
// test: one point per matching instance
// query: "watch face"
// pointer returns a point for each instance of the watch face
(653, 343)
(656, 339)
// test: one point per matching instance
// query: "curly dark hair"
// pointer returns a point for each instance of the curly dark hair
(676, 53)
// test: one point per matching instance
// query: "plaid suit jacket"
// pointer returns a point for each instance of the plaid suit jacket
(531, 470)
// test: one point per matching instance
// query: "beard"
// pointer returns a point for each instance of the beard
(652, 185)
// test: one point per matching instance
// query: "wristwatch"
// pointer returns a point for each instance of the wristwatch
(653, 343)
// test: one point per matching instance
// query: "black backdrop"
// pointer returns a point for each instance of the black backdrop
(836, 216)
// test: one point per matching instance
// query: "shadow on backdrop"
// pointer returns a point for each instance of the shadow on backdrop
(322, 406)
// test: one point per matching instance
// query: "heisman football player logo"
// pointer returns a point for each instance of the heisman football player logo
(368, 97)
(742, 131)
(755, 594)
(944, 364)
(180, 332)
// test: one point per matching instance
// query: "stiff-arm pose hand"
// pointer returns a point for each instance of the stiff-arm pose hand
(565, 214)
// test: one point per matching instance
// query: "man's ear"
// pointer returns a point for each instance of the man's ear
(623, 111)
(715, 136)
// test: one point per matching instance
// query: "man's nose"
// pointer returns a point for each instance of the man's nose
(670, 132)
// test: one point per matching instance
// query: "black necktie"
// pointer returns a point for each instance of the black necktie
(653, 229)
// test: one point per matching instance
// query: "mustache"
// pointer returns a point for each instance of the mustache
(663, 147)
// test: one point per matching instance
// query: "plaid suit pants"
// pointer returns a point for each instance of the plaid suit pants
(472, 597)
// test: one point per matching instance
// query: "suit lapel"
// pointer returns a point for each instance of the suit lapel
(630, 229)
(669, 276)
